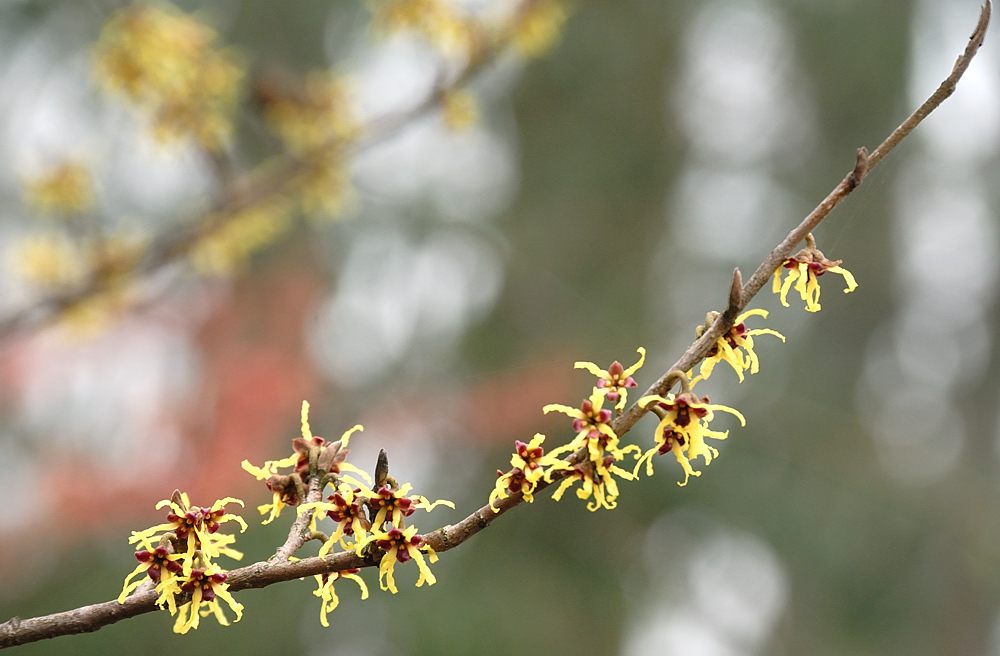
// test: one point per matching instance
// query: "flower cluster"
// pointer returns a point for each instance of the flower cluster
(804, 269)
(312, 456)
(596, 439)
(369, 514)
(530, 465)
(389, 506)
(55, 264)
(165, 63)
(683, 427)
(182, 562)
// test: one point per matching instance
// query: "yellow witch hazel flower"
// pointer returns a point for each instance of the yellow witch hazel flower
(615, 380)
(346, 506)
(683, 427)
(206, 587)
(804, 269)
(734, 347)
(391, 505)
(591, 419)
(596, 480)
(192, 528)
(529, 464)
(329, 596)
(401, 545)
(159, 564)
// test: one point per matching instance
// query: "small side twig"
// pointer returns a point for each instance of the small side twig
(299, 533)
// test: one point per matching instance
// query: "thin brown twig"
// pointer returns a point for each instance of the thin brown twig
(298, 534)
(261, 574)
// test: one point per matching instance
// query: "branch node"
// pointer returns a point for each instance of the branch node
(482, 521)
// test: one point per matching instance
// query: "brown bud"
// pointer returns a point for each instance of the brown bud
(381, 470)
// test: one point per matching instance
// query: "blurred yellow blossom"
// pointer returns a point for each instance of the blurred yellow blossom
(48, 262)
(316, 124)
(536, 27)
(459, 109)
(63, 190)
(164, 62)
(227, 248)
(324, 183)
(437, 21)
(312, 116)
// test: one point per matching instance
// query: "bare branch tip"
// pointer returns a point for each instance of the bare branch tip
(735, 296)
(984, 21)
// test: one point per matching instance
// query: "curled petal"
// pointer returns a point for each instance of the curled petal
(567, 482)
(725, 408)
(306, 432)
(756, 312)
(346, 437)
(130, 585)
(592, 368)
(852, 284)
(793, 274)
(682, 459)
(766, 331)
(634, 368)
(565, 409)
